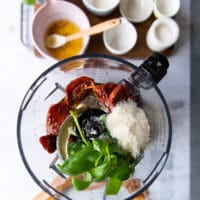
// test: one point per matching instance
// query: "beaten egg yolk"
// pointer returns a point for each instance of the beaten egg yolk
(72, 48)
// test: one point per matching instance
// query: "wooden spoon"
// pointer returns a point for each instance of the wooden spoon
(59, 184)
(56, 40)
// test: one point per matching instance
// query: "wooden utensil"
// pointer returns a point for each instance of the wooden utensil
(56, 40)
(59, 184)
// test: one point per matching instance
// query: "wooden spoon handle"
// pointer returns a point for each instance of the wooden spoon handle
(59, 184)
(95, 29)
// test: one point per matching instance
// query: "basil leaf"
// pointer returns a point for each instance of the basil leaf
(79, 162)
(113, 186)
(98, 144)
(83, 182)
(101, 156)
(115, 148)
(114, 160)
(122, 170)
(101, 172)
(92, 157)
(74, 147)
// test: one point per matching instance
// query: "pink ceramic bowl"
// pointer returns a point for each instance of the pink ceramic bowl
(51, 11)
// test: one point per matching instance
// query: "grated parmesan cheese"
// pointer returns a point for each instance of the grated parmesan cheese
(129, 125)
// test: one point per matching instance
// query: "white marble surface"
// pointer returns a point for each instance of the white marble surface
(19, 68)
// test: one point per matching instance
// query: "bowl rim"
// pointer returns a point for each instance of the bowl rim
(169, 22)
(158, 12)
(124, 14)
(33, 88)
(39, 14)
(130, 46)
(96, 9)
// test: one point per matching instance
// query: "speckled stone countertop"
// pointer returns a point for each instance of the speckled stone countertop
(19, 68)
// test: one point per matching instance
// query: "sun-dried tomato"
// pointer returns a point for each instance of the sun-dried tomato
(102, 92)
(55, 117)
(119, 93)
(78, 89)
(49, 142)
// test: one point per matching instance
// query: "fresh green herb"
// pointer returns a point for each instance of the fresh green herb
(113, 186)
(107, 151)
(102, 150)
(81, 183)
(75, 117)
(115, 148)
(80, 162)
(101, 172)
(74, 147)
(122, 170)
(98, 144)
(99, 160)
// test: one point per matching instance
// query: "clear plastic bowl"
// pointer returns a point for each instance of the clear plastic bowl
(48, 89)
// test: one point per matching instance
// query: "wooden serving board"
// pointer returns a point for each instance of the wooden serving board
(140, 50)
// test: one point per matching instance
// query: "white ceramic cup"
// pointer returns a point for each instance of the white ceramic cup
(136, 10)
(101, 7)
(120, 39)
(166, 8)
(163, 33)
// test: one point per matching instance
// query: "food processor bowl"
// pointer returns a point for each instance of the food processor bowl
(49, 89)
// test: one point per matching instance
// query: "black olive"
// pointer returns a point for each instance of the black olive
(90, 123)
